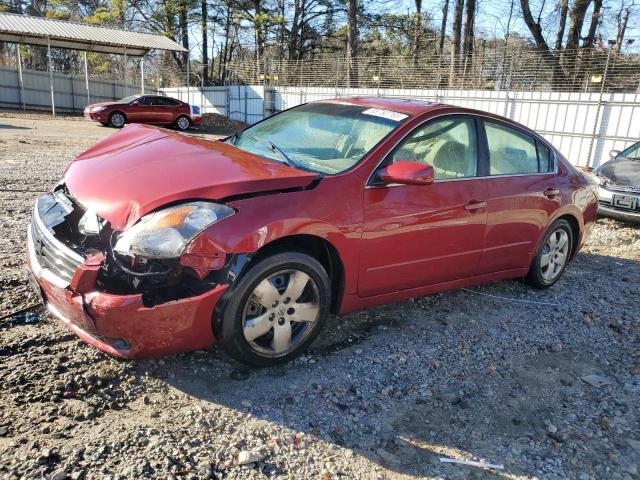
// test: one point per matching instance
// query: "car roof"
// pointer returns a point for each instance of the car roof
(408, 106)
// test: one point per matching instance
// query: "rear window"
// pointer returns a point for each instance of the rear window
(546, 160)
(167, 101)
(512, 152)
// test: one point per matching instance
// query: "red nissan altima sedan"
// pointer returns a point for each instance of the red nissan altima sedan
(150, 109)
(156, 242)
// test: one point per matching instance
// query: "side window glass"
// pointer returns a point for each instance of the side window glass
(510, 152)
(632, 152)
(449, 145)
(143, 101)
(546, 161)
(165, 101)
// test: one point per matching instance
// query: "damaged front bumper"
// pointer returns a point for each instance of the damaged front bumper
(118, 324)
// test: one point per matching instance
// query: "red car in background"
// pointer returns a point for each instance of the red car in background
(151, 109)
(156, 242)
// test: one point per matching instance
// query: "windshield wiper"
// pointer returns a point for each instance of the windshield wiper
(274, 148)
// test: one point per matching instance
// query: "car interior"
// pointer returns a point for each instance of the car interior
(510, 152)
(447, 145)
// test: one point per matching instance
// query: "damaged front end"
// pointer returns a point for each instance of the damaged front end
(129, 293)
(145, 259)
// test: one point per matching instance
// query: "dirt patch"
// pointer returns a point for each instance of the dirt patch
(382, 394)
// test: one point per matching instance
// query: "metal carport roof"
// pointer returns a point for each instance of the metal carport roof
(17, 28)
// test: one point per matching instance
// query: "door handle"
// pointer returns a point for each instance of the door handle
(475, 205)
(551, 192)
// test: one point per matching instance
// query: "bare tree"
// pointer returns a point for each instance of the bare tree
(457, 29)
(443, 26)
(576, 21)
(352, 41)
(623, 19)
(205, 39)
(417, 31)
(469, 27)
(589, 40)
(562, 23)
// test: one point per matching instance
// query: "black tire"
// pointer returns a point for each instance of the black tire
(228, 324)
(535, 277)
(114, 120)
(180, 125)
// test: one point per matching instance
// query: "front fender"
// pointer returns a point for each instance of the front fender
(264, 219)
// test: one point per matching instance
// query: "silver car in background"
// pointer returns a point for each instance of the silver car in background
(619, 179)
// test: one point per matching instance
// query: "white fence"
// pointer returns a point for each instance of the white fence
(70, 91)
(244, 103)
(583, 126)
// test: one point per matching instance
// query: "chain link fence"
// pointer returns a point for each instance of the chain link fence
(581, 70)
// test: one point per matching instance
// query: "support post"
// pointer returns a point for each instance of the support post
(596, 121)
(188, 77)
(73, 94)
(86, 78)
(126, 77)
(53, 102)
(142, 75)
(20, 76)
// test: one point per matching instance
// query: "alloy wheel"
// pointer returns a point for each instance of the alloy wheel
(554, 255)
(280, 313)
(117, 120)
(183, 123)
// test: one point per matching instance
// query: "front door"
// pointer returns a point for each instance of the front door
(137, 110)
(419, 235)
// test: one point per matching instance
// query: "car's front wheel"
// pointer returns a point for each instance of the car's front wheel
(553, 255)
(117, 120)
(275, 310)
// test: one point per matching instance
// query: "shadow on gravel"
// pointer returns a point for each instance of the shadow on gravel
(13, 127)
(455, 375)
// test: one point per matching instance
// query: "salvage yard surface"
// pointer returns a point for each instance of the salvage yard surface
(491, 374)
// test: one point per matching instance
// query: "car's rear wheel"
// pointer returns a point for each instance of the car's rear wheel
(553, 255)
(276, 309)
(117, 120)
(183, 123)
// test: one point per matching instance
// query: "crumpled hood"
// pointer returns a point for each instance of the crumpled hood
(141, 168)
(622, 171)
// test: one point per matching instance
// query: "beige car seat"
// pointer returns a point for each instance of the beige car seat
(450, 160)
(510, 161)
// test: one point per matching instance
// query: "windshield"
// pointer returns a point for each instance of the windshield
(323, 137)
(632, 152)
(128, 99)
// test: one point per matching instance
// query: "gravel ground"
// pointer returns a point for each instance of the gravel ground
(489, 374)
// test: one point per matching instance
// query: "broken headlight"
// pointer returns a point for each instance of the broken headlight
(166, 233)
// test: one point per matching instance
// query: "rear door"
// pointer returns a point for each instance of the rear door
(169, 109)
(522, 195)
(419, 235)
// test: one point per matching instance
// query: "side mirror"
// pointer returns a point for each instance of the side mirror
(406, 172)
(135, 103)
(614, 153)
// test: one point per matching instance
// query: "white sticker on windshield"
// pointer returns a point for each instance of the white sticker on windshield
(388, 114)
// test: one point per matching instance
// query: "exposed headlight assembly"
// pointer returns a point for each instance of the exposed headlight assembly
(166, 233)
(601, 180)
